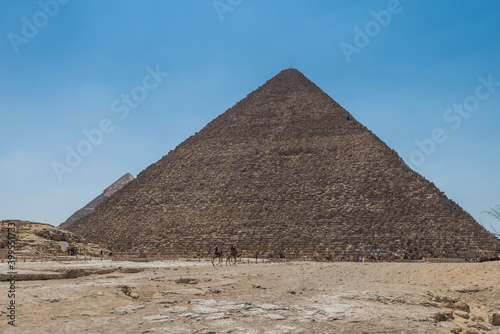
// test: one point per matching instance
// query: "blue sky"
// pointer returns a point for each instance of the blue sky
(66, 67)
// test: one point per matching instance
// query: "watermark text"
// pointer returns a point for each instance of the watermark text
(94, 137)
(31, 26)
(453, 117)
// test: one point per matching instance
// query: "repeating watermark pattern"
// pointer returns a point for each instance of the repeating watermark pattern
(11, 264)
(371, 30)
(121, 107)
(30, 27)
(454, 117)
(223, 6)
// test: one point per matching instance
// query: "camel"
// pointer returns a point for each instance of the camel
(232, 255)
(217, 255)
(329, 258)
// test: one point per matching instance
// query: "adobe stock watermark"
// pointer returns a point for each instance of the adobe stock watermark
(223, 6)
(30, 26)
(121, 107)
(371, 29)
(454, 117)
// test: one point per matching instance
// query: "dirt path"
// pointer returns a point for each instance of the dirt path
(301, 297)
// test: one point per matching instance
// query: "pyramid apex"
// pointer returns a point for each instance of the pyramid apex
(289, 73)
(288, 81)
(290, 70)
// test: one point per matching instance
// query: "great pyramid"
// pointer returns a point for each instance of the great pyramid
(287, 169)
(87, 209)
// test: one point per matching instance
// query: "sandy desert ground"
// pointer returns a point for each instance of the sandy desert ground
(297, 297)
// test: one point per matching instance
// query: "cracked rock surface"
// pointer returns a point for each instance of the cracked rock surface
(334, 297)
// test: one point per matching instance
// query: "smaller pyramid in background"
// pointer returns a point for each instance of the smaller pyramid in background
(117, 185)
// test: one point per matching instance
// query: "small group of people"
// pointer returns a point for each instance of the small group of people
(72, 251)
(103, 253)
(372, 257)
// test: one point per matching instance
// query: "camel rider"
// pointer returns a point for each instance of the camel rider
(233, 249)
(216, 250)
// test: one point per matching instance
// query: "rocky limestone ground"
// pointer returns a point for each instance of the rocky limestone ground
(298, 297)
(38, 239)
